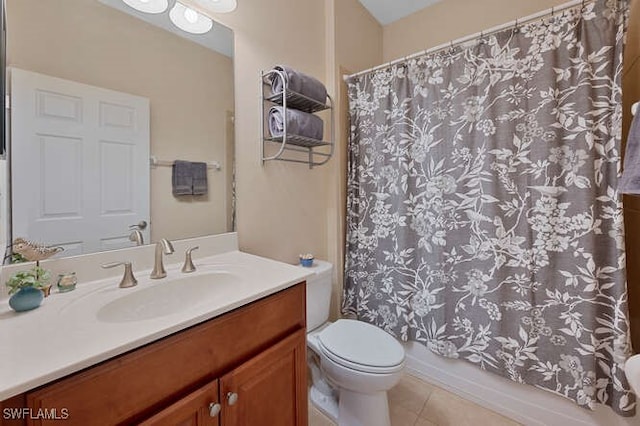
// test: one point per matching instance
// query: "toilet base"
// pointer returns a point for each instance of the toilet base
(326, 404)
(359, 409)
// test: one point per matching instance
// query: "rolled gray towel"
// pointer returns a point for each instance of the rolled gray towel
(298, 82)
(298, 123)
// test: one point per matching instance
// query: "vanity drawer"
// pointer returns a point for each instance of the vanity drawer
(131, 387)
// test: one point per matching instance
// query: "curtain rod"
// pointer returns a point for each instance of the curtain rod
(480, 34)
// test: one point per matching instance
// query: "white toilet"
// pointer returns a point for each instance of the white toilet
(359, 362)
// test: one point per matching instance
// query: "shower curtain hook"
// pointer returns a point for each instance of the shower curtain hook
(516, 28)
(451, 49)
(481, 41)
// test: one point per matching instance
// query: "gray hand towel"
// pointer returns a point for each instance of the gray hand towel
(298, 123)
(298, 82)
(182, 178)
(630, 181)
(200, 186)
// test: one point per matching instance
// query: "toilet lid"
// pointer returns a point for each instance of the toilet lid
(358, 344)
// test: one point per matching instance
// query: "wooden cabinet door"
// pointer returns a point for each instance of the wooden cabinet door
(200, 408)
(269, 389)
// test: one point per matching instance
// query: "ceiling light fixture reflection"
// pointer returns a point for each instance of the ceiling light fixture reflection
(217, 6)
(189, 20)
(148, 6)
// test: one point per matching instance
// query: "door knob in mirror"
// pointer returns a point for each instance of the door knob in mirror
(142, 225)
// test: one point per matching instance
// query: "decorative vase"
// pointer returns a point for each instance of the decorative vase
(67, 282)
(26, 298)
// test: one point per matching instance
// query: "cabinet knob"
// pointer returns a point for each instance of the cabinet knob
(232, 398)
(214, 409)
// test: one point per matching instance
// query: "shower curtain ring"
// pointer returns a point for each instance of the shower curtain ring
(516, 28)
(451, 49)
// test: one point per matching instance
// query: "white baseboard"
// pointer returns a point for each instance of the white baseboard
(525, 404)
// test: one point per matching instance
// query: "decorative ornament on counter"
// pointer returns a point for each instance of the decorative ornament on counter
(26, 299)
(33, 251)
(29, 288)
(67, 282)
(306, 260)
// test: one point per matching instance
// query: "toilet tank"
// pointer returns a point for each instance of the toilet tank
(318, 293)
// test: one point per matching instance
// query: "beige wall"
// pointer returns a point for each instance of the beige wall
(451, 19)
(358, 46)
(285, 209)
(358, 37)
(190, 89)
(282, 207)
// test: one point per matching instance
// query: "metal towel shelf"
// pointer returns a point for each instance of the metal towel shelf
(318, 151)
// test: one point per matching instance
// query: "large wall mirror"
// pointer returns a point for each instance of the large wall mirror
(103, 100)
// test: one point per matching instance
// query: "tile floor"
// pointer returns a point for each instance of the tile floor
(414, 402)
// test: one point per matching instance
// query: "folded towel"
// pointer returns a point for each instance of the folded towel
(182, 178)
(298, 123)
(200, 186)
(630, 181)
(298, 82)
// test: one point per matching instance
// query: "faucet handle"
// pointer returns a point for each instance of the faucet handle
(128, 280)
(188, 262)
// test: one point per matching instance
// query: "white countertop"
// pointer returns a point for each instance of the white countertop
(65, 334)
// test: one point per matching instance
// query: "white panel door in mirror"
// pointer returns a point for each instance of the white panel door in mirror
(87, 149)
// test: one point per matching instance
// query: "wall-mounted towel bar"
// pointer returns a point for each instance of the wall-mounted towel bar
(634, 108)
(154, 162)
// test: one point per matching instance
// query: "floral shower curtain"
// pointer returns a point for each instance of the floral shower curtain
(483, 214)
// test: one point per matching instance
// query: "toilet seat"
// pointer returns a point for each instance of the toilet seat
(361, 347)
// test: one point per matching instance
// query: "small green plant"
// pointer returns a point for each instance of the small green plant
(35, 277)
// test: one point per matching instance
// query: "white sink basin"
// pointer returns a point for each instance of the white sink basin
(167, 297)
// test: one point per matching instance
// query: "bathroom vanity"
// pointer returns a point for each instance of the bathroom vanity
(237, 359)
(247, 367)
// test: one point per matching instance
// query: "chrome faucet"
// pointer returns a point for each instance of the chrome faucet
(165, 246)
(137, 237)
